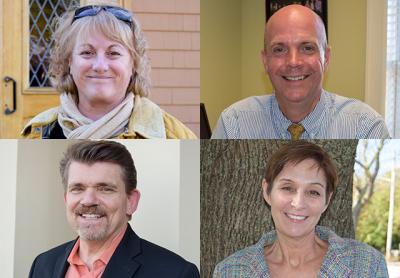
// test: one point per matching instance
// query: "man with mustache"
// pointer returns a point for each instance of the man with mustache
(100, 194)
(295, 56)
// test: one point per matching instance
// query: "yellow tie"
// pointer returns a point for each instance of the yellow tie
(296, 130)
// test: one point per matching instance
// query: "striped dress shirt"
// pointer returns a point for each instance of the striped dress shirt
(334, 117)
(345, 258)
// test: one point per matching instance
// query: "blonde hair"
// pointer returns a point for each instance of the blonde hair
(66, 35)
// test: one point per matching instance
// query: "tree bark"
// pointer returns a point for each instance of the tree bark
(233, 212)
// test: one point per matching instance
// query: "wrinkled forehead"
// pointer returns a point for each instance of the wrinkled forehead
(294, 27)
(98, 171)
(294, 38)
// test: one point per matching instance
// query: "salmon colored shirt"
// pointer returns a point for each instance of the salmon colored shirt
(78, 269)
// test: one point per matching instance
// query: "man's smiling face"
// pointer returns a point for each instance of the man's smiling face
(295, 56)
(97, 204)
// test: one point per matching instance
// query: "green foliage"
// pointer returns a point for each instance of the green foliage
(372, 224)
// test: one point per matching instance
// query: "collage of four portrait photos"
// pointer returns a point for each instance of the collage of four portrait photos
(278, 157)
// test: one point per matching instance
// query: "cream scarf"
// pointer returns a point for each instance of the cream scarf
(77, 126)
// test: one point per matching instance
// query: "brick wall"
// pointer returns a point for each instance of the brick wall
(172, 29)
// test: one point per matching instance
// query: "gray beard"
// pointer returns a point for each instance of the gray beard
(92, 234)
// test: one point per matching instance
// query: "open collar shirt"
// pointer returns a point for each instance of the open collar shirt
(334, 117)
(78, 269)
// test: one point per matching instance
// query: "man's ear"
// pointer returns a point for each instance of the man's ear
(327, 57)
(264, 59)
(266, 196)
(132, 201)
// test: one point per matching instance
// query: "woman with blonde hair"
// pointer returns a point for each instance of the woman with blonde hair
(100, 66)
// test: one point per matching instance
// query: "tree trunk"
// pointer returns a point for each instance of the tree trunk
(364, 190)
(233, 212)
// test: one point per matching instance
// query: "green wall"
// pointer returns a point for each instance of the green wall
(232, 38)
(347, 21)
(254, 80)
(220, 55)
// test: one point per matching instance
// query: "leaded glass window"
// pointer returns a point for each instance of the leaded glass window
(41, 15)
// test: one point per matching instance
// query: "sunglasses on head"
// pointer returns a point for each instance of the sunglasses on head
(120, 13)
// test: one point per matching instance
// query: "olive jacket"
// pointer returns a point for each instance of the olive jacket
(147, 120)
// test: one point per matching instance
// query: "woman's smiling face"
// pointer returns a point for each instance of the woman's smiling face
(297, 198)
(101, 69)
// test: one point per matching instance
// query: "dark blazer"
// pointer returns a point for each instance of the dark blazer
(134, 257)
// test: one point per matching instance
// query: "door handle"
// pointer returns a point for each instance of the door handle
(8, 111)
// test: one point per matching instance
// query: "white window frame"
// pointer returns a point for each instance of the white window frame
(375, 71)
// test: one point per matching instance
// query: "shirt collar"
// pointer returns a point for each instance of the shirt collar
(279, 121)
(312, 122)
(105, 257)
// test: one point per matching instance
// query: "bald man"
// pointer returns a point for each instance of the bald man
(295, 57)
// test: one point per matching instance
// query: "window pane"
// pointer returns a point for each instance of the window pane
(41, 14)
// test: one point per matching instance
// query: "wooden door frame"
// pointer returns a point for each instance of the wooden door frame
(2, 88)
(14, 62)
(11, 15)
